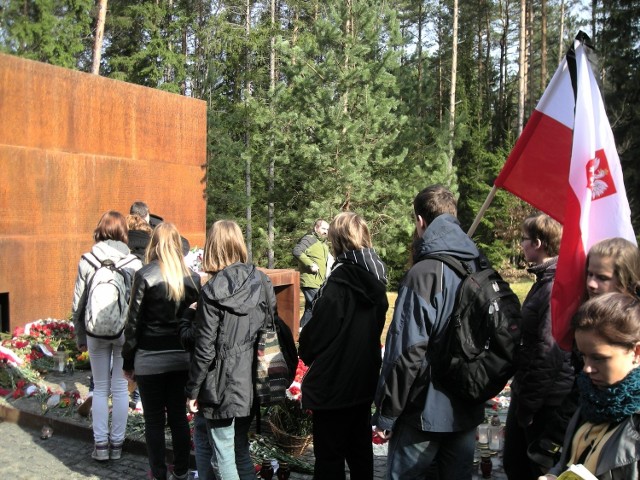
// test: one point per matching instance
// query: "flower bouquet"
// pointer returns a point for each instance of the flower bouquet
(290, 424)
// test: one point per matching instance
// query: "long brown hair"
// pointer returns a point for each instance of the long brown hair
(224, 246)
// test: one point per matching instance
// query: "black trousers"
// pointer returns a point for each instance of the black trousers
(343, 435)
(164, 401)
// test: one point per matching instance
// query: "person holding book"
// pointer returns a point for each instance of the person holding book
(604, 434)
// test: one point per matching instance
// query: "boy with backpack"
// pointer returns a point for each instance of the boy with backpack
(429, 424)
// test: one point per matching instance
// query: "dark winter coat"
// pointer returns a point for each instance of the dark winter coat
(545, 375)
(425, 302)
(153, 318)
(341, 342)
(138, 241)
(231, 310)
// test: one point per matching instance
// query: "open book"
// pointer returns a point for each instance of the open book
(577, 472)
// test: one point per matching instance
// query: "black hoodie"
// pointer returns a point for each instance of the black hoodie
(341, 342)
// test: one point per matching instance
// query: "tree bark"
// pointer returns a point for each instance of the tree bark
(272, 165)
(521, 65)
(247, 140)
(561, 42)
(452, 94)
(543, 49)
(97, 45)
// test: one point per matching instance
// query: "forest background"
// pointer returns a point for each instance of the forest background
(320, 107)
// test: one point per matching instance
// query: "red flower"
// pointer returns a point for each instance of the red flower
(294, 390)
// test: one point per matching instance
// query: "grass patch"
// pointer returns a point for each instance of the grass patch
(520, 287)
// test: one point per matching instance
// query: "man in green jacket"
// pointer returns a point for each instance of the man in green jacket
(313, 257)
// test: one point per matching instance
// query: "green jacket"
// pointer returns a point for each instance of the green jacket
(309, 250)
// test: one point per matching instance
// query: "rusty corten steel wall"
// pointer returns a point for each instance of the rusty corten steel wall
(72, 146)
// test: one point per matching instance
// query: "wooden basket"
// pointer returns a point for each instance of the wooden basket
(291, 444)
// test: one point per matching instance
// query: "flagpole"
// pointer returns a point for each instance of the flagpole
(483, 209)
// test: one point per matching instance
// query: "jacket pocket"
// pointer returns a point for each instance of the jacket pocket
(214, 384)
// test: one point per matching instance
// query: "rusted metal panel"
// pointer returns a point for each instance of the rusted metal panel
(286, 283)
(72, 146)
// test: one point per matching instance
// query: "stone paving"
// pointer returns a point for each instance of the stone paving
(25, 456)
(67, 454)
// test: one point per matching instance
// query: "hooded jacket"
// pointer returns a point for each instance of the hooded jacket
(341, 342)
(231, 310)
(105, 250)
(138, 241)
(426, 298)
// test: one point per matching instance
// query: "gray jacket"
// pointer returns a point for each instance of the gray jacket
(620, 456)
(425, 302)
(108, 249)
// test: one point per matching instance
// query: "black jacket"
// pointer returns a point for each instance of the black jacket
(341, 342)
(231, 310)
(153, 319)
(138, 241)
(545, 375)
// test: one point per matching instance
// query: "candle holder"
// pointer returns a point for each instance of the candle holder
(495, 438)
(59, 361)
(483, 436)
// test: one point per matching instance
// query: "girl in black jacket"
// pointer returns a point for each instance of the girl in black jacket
(153, 354)
(231, 310)
(341, 343)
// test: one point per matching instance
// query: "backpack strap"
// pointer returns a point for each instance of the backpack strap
(126, 261)
(269, 321)
(93, 260)
(461, 268)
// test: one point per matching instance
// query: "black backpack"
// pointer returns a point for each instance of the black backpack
(475, 357)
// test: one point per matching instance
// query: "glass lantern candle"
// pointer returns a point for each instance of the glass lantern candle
(495, 438)
(483, 435)
(59, 361)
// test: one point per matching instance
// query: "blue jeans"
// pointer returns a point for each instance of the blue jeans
(309, 295)
(162, 393)
(412, 451)
(203, 452)
(230, 458)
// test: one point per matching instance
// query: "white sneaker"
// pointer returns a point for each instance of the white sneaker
(100, 452)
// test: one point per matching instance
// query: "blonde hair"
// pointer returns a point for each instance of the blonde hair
(348, 231)
(224, 246)
(136, 222)
(166, 247)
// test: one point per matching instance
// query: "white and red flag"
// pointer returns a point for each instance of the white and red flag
(565, 164)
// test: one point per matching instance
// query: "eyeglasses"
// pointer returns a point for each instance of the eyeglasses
(523, 238)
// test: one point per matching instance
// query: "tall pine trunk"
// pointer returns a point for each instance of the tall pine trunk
(247, 139)
(272, 165)
(521, 64)
(452, 94)
(97, 45)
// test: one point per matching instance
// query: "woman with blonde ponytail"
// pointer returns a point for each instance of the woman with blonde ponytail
(153, 354)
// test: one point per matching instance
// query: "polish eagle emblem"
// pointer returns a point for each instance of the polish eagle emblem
(599, 178)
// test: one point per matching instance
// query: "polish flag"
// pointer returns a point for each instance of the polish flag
(567, 166)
